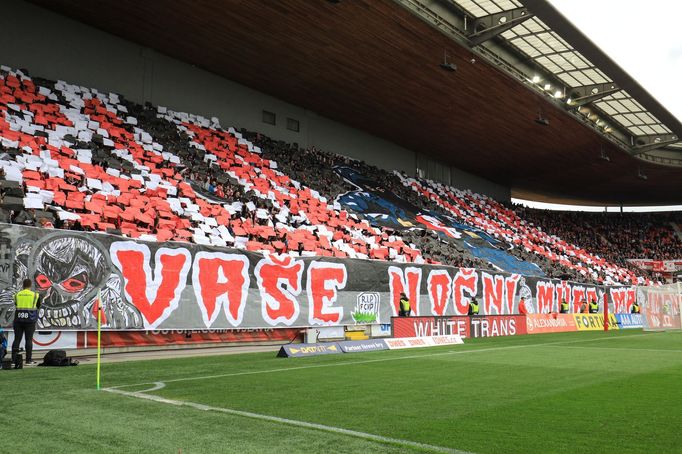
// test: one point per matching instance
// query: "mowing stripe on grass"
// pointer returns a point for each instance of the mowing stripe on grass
(290, 422)
(632, 350)
(377, 360)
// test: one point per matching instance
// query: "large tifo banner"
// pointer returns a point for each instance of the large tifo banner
(149, 286)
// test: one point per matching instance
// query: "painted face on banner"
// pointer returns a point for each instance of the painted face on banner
(67, 271)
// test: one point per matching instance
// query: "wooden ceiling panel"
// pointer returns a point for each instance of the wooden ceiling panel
(375, 66)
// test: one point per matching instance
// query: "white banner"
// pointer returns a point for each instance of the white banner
(661, 266)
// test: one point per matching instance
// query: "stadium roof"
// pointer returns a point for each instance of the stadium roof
(374, 65)
(519, 25)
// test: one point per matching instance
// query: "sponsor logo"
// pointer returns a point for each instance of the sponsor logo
(313, 349)
(504, 325)
(406, 342)
(367, 307)
(300, 350)
(447, 340)
(594, 322)
(550, 323)
(369, 345)
(628, 321)
(417, 342)
(430, 326)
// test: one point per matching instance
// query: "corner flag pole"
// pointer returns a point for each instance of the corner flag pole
(99, 334)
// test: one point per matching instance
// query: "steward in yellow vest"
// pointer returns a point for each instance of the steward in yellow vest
(635, 308)
(27, 303)
(473, 307)
(594, 307)
(405, 309)
(564, 307)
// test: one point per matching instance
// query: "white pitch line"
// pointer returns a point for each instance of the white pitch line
(378, 360)
(290, 422)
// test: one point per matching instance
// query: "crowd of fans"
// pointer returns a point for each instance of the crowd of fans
(97, 162)
(315, 168)
(614, 236)
(188, 180)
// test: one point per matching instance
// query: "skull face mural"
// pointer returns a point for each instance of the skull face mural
(70, 270)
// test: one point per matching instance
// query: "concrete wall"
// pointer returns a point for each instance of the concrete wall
(55, 47)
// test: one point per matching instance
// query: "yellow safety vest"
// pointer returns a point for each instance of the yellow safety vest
(404, 305)
(26, 300)
(564, 307)
(594, 307)
(635, 308)
(474, 308)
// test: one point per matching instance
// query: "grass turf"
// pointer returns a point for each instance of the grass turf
(569, 392)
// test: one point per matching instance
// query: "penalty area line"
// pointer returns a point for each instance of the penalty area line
(278, 420)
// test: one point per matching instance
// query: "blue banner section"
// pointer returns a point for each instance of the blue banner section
(301, 350)
(504, 260)
(383, 207)
(359, 346)
(627, 321)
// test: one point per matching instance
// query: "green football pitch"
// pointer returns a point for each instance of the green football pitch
(569, 392)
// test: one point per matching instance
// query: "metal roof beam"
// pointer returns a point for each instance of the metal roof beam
(557, 52)
(649, 143)
(639, 125)
(526, 35)
(587, 90)
(587, 94)
(628, 112)
(487, 27)
(577, 70)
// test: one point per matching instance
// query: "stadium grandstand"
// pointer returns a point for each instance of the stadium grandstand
(309, 177)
